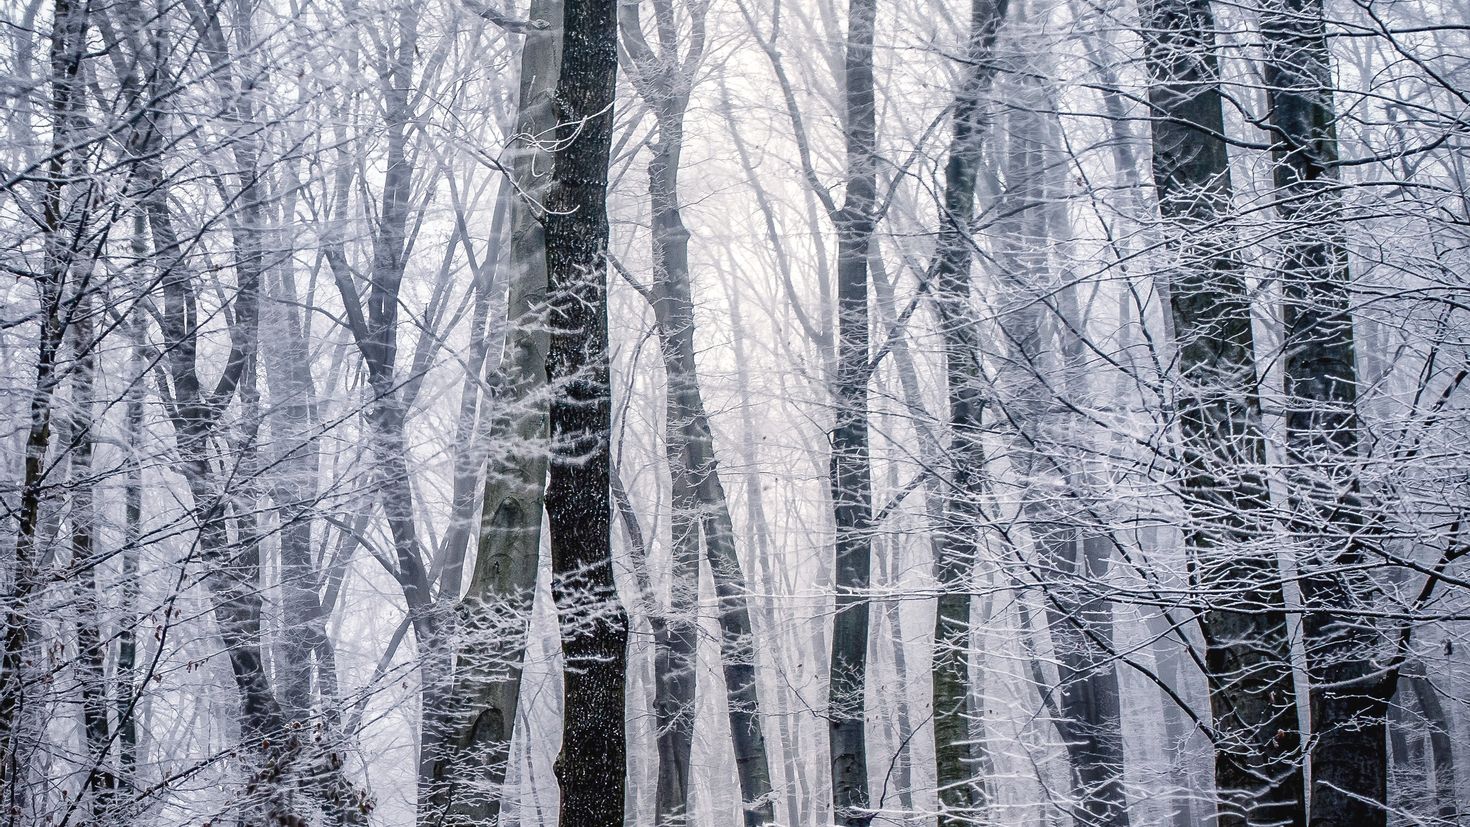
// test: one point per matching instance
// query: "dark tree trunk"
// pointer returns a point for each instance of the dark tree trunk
(591, 768)
(91, 654)
(852, 496)
(127, 691)
(1257, 759)
(1348, 695)
(737, 645)
(961, 793)
(61, 237)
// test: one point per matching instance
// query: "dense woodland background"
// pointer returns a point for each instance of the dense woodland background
(735, 412)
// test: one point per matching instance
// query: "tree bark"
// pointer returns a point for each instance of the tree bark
(1349, 698)
(851, 472)
(61, 238)
(1257, 744)
(961, 794)
(495, 612)
(591, 768)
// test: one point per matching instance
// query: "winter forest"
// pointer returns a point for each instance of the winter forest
(729, 413)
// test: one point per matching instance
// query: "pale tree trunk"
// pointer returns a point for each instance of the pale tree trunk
(292, 422)
(798, 793)
(1080, 614)
(495, 611)
(468, 446)
(308, 674)
(1349, 698)
(1247, 654)
(1441, 744)
(929, 453)
(1177, 730)
(1042, 357)
(591, 769)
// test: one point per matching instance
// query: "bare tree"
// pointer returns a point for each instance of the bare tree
(1349, 756)
(591, 768)
(495, 610)
(61, 218)
(1247, 661)
(961, 791)
(852, 499)
(701, 511)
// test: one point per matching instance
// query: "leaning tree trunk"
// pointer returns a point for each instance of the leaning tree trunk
(961, 794)
(698, 496)
(591, 768)
(851, 474)
(1349, 698)
(1247, 652)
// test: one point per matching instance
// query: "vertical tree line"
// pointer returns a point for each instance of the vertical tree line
(733, 411)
